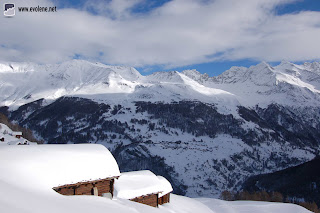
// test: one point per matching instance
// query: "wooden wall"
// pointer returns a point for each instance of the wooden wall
(151, 200)
(86, 188)
(164, 199)
(106, 186)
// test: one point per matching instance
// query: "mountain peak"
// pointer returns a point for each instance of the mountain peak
(284, 62)
(193, 72)
(261, 66)
(196, 75)
(171, 76)
(313, 67)
(285, 65)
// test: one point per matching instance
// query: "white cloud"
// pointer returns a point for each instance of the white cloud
(180, 32)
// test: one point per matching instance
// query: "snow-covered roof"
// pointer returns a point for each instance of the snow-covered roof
(138, 183)
(16, 133)
(165, 185)
(49, 166)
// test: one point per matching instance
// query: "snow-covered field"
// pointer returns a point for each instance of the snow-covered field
(220, 206)
(14, 199)
(26, 185)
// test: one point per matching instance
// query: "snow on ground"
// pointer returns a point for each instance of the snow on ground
(27, 174)
(220, 206)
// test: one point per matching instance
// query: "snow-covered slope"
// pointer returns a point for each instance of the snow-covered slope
(286, 84)
(21, 83)
(25, 82)
(8, 137)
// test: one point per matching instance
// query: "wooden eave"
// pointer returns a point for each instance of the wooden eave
(154, 193)
(84, 182)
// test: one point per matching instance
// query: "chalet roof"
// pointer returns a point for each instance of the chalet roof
(138, 183)
(53, 165)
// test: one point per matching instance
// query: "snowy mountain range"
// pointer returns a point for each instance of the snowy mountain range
(204, 134)
(284, 84)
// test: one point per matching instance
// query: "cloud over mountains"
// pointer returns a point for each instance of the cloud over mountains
(176, 33)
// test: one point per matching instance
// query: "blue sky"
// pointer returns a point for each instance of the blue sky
(143, 7)
(207, 35)
(298, 6)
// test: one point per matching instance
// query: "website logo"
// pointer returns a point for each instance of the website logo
(9, 10)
